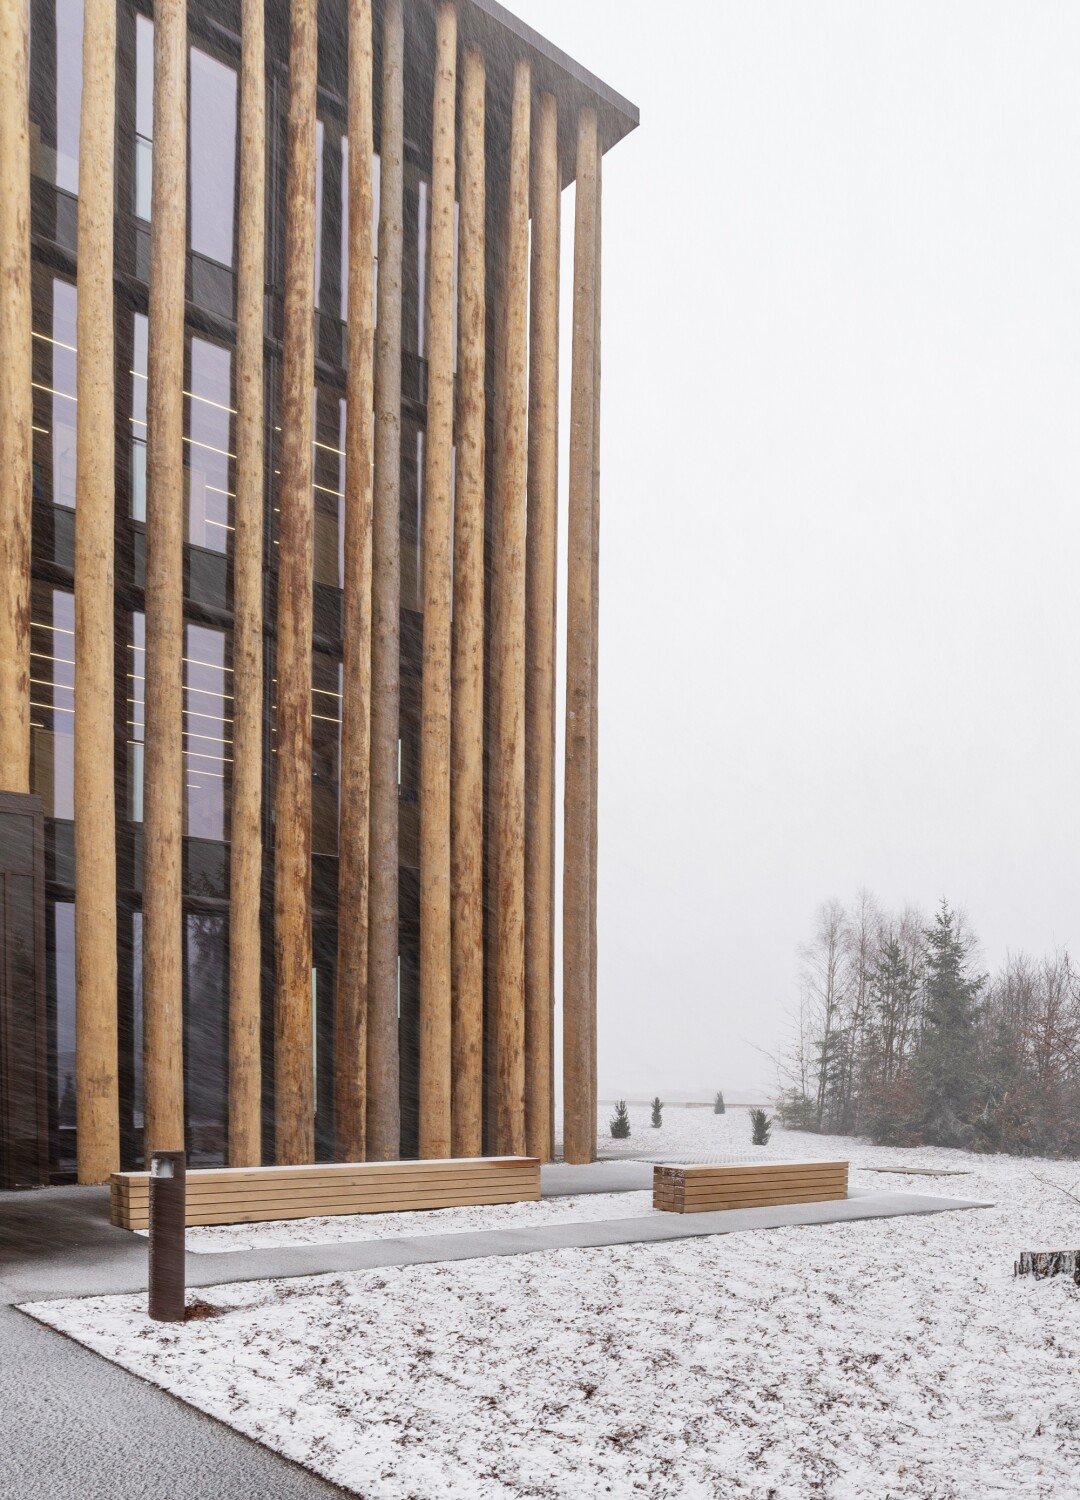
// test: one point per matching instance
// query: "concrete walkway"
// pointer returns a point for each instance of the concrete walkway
(77, 1426)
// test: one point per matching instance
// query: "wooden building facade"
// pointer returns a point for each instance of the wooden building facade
(279, 557)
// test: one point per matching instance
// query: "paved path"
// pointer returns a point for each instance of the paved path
(76, 1426)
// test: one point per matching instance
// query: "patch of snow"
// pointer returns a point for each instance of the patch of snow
(883, 1358)
(336, 1229)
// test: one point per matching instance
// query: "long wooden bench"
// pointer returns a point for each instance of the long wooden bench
(246, 1195)
(704, 1189)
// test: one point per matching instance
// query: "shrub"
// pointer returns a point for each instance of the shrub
(796, 1111)
(620, 1121)
(657, 1106)
(760, 1127)
(718, 1105)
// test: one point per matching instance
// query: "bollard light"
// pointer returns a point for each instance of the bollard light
(167, 1215)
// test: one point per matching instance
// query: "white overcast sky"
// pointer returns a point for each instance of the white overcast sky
(841, 494)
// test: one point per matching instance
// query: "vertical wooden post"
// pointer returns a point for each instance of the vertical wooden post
(594, 695)
(540, 574)
(245, 879)
(467, 688)
(578, 1126)
(16, 411)
(509, 771)
(350, 1025)
(383, 1092)
(435, 991)
(163, 794)
(96, 1057)
(293, 1057)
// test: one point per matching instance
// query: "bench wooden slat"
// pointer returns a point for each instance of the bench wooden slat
(715, 1186)
(254, 1194)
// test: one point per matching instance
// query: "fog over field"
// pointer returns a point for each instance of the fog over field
(841, 459)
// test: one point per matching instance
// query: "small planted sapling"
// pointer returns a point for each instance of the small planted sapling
(760, 1127)
(718, 1105)
(620, 1121)
(657, 1117)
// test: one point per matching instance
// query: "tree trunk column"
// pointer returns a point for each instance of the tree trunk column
(350, 1041)
(540, 574)
(245, 948)
(293, 1056)
(578, 1122)
(467, 695)
(16, 409)
(509, 770)
(96, 1060)
(435, 989)
(163, 790)
(594, 702)
(383, 1091)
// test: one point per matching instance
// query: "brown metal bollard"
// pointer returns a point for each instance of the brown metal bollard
(167, 1214)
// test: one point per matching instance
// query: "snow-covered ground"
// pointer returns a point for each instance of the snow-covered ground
(339, 1228)
(892, 1357)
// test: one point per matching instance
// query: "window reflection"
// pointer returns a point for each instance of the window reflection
(52, 699)
(208, 450)
(56, 91)
(61, 954)
(328, 468)
(136, 716)
(207, 732)
(144, 114)
(325, 748)
(138, 418)
(54, 303)
(212, 124)
(325, 751)
(206, 1038)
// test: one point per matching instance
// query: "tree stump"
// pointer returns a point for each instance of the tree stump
(1043, 1263)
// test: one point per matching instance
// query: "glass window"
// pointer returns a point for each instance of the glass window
(412, 498)
(207, 732)
(212, 126)
(52, 699)
(328, 467)
(136, 719)
(144, 114)
(56, 91)
(138, 418)
(325, 751)
(209, 455)
(54, 303)
(137, 1104)
(206, 1037)
(61, 954)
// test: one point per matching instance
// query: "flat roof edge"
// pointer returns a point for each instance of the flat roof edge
(628, 116)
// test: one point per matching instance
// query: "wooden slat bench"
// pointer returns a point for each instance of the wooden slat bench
(247, 1195)
(695, 1190)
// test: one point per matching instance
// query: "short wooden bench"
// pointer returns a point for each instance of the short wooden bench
(696, 1190)
(247, 1195)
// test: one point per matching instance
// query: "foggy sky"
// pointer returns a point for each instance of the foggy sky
(840, 480)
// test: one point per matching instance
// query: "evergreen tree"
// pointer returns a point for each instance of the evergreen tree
(657, 1118)
(944, 1062)
(620, 1121)
(718, 1105)
(760, 1127)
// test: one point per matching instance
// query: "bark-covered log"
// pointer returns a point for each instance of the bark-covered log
(1043, 1263)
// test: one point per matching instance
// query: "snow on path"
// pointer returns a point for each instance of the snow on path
(338, 1229)
(885, 1358)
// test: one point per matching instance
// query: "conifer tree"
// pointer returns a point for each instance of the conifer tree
(945, 1056)
(620, 1121)
(718, 1107)
(657, 1106)
(760, 1127)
